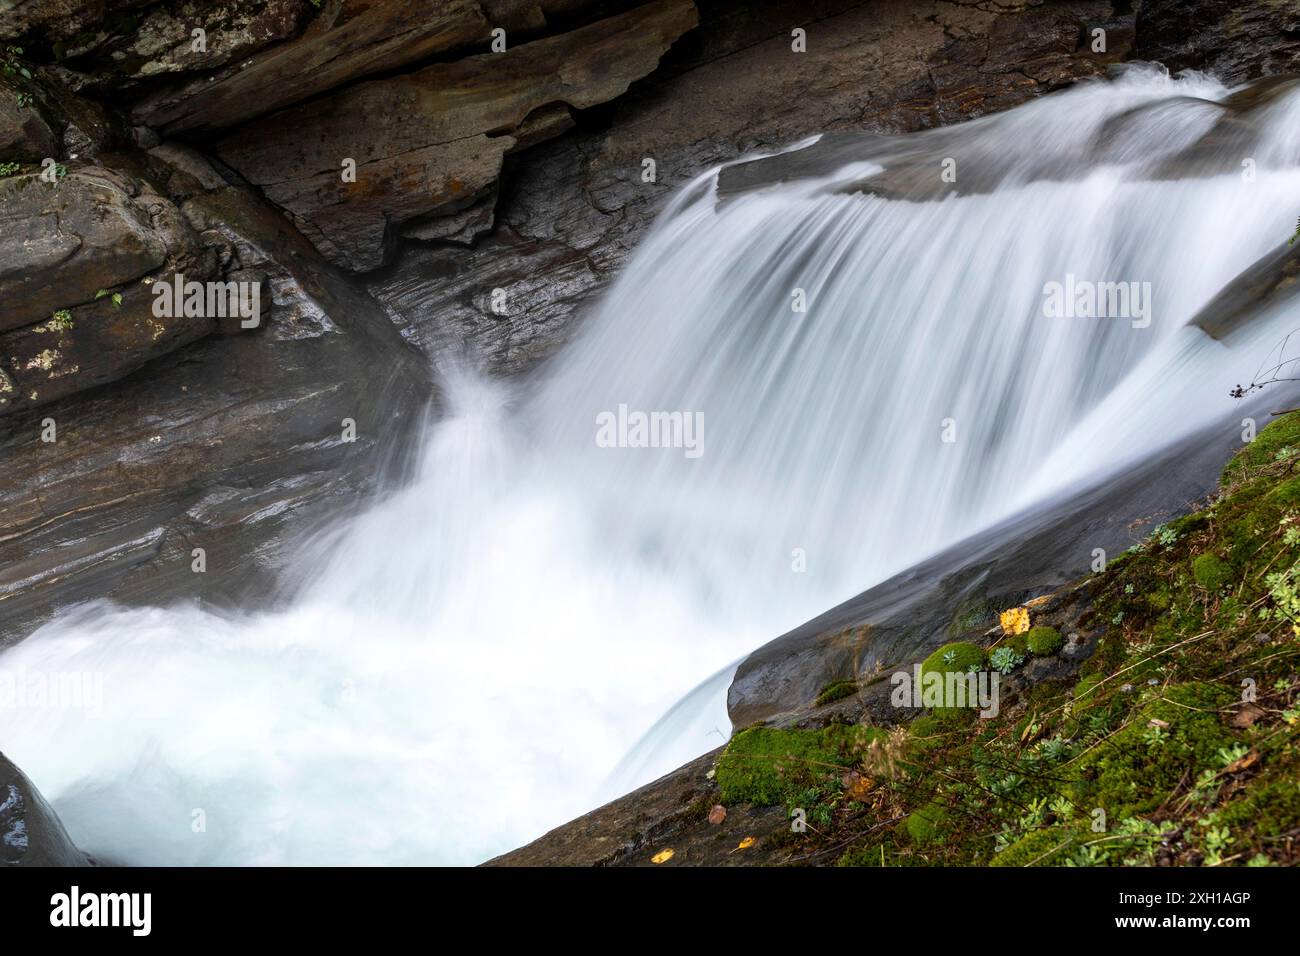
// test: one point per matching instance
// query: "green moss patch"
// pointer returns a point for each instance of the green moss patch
(1137, 767)
(1043, 641)
(1051, 846)
(1278, 441)
(835, 690)
(959, 657)
(768, 765)
(1211, 572)
(928, 824)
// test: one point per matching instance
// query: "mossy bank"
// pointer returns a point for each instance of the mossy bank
(1171, 740)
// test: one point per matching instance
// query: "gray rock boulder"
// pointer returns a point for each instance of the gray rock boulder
(61, 242)
(30, 831)
(77, 260)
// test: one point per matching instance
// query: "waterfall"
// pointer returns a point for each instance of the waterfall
(854, 362)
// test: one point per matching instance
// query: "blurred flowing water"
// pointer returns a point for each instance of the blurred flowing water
(468, 661)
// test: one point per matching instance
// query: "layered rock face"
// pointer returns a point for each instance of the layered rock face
(76, 257)
(433, 141)
(354, 167)
(1234, 41)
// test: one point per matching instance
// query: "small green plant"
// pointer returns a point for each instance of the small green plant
(24, 100)
(1230, 755)
(8, 169)
(116, 297)
(1155, 735)
(1062, 807)
(1206, 788)
(1087, 855)
(1006, 785)
(1217, 839)
(1164, 536)
(10, 62)
(1005, 660)
(1286, 600)
(1053, 749)
(61, 320)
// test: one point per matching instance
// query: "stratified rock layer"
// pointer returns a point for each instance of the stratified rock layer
(433, 141)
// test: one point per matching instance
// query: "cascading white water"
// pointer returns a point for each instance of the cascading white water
(472, 656)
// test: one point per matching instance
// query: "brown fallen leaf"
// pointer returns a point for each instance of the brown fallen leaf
(663, 856)
(1032, 728)
(1245, 763)
(1014, 620)
(1248, 716)
(1157, 722)
(717, 814)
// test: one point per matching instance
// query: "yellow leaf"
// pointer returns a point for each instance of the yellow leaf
(663, 856)
(1015, 620)
(746, 843)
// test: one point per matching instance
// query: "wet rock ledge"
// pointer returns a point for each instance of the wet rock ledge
(30, 833)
